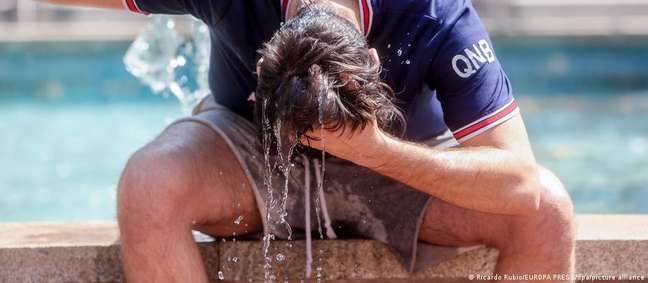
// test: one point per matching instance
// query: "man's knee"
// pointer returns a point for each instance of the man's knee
(555, 202)
(153, 187)
(553, 221)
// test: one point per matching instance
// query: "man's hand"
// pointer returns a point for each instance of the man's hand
(361, 146)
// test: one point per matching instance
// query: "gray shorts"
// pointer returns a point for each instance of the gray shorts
(354, 201)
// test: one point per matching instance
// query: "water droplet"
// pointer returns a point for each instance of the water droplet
(280, 257)
(221, 276)
(182, 61)
(235, 259)
(270, 237)
(399, 52)
(238, 220)
(388, 46)
(407, 62)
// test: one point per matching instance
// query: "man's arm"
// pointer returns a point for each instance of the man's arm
(109, 4)
(206, 10)
(493, 172)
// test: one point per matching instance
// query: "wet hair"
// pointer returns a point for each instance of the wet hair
(317, 69)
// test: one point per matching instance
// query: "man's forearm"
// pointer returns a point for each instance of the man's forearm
(480, 178)
(109, 4)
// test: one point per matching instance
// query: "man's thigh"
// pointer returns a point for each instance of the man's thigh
(219, 194)
(450, 225)
(446, 224)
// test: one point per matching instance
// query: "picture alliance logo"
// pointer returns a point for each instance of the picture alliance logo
(554, 277)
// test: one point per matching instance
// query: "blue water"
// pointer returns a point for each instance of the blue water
(70, 116)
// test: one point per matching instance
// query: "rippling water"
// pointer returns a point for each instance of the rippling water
(598, 147)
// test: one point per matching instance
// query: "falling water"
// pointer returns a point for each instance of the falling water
(320, 182)
(267, 181)
(319, 177)
(319, 172)
(285, 165)
(307, 217)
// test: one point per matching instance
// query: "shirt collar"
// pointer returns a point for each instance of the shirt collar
(366, 14)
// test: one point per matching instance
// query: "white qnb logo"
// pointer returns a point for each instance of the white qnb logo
(468, 62)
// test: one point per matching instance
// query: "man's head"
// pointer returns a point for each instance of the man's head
(318, 68)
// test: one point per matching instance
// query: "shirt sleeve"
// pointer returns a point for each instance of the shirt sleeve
(206, 10)
(471, 85)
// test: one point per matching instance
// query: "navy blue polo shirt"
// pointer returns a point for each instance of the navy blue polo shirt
(436, 55)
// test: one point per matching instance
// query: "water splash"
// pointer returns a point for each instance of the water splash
(169, 63)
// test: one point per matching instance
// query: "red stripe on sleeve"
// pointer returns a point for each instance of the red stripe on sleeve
(476, 127)
(284, 9)
(365, 12)
(131, 6)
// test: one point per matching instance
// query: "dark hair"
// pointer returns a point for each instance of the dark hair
(319, 64)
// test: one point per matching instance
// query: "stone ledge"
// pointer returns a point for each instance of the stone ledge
(89, 252)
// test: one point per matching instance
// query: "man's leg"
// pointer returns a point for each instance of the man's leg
(540, 243)
(186, 178)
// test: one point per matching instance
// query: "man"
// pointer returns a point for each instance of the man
(488, 190)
